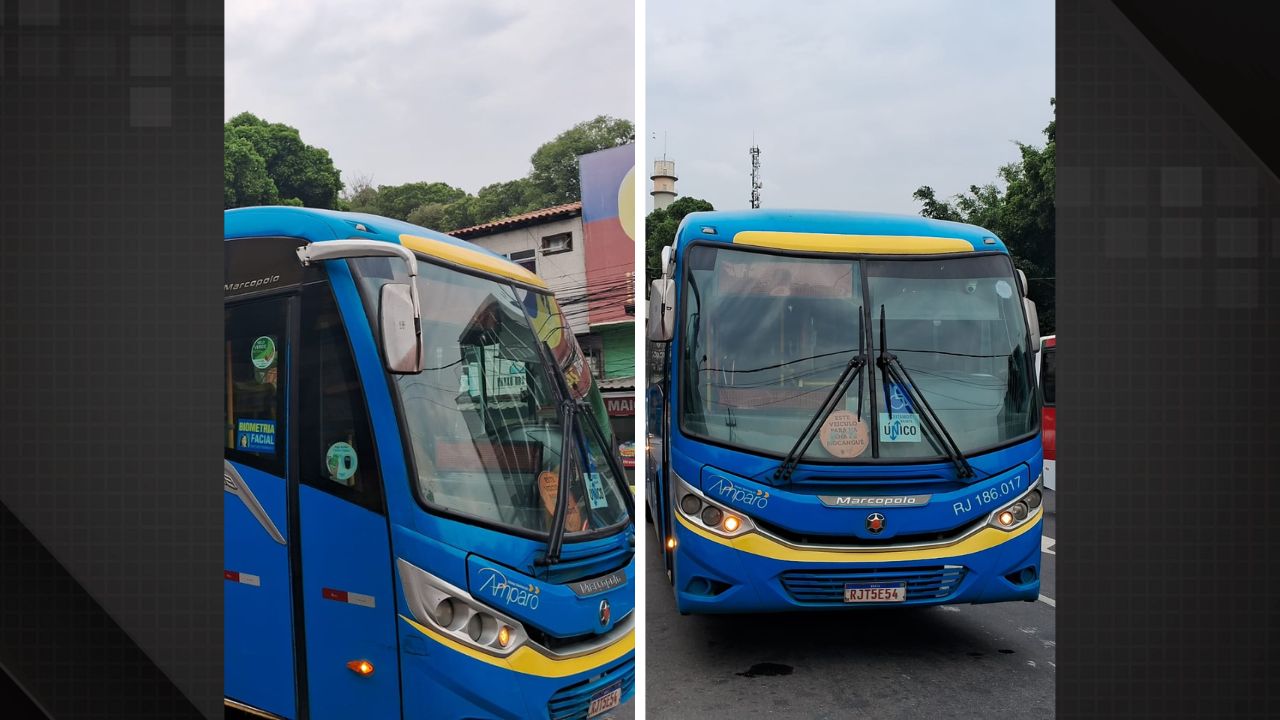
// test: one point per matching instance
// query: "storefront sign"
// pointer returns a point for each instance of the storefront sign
(620, 407)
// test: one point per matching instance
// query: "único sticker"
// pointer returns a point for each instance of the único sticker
(844, 435)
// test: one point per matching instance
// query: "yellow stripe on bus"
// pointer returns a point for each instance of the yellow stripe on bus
(757, 544)
(528, 661)
(470, 258)
(870, 244)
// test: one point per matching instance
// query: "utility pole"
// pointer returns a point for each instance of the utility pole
(755, 175)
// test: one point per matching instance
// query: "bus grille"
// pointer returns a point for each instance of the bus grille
(571, 703)
(827, 586)
(574, 566)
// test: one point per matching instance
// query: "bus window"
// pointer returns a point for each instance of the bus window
(337, 451)
(1049, 376)
(254, 357)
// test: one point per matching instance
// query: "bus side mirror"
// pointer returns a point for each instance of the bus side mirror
(1033, 323)
(399, 312)
(401, 331)
(667, 269)
(1022, 283)
(662, 310)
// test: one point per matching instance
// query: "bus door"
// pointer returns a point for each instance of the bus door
(257, 589)
(308, 600)
(657, 448)
(348, 600)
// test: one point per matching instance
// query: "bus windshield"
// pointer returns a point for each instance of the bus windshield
(483, 419)
(764, 336)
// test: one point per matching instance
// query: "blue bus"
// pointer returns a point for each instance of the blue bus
(424, 513)
(842, 411)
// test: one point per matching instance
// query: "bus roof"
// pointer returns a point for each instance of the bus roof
(316, 225)
(837, 231)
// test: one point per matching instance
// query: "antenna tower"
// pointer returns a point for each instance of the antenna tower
(755, 176)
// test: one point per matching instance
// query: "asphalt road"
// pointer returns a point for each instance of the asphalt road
(958, 661)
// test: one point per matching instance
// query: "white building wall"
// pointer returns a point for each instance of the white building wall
(565, 272)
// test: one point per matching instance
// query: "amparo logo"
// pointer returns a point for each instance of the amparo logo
(493, 582)
(727, 491)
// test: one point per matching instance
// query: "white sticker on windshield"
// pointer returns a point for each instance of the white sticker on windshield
(1003, 289)
(595, 491)
(902, 427)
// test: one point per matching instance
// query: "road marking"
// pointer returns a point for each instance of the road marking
(1049, 601)
(1047, 544)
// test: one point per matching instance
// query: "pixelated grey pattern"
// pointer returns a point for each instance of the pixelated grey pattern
(1170, 234)
(110, 259)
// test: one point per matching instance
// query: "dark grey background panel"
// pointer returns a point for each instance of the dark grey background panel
(110, 370)
(1168, 254)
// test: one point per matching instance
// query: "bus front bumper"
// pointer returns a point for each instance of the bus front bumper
(444, 679)
(756, 573)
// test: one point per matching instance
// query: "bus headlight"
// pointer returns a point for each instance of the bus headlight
(707, 514)
(443, 613)
(690, 504)
(1016, 514)
(1034, 499)
(454, 613)
(711, 516)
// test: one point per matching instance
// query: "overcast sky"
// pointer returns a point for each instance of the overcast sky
(854, 104)
(458, 91)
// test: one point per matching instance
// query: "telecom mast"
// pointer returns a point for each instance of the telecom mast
(755, 176)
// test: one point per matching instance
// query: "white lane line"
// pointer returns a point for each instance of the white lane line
(1047, 544)
(1049, 601)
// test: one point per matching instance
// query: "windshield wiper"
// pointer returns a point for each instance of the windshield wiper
(570, 410)
(555, 537)
(851, 371)
(891, 367)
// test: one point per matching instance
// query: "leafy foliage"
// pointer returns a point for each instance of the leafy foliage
(1022, 214)
(269, 164)
(398, 201)
(246, 181)
(555, 163)
(660, 229)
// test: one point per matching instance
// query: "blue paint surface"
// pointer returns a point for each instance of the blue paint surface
(348, 548)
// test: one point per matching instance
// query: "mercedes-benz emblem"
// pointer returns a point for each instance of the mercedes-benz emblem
(875, 523)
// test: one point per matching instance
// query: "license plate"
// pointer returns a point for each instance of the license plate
(875, 592)
(605, 700)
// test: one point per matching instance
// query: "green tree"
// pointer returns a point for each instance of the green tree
(1021, 211)
(429, 215)
(245, 177)
(302, 174)
(660, 229)
(359, 196)
(398, 201)
(555, 163)
(513, 197)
